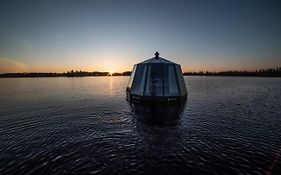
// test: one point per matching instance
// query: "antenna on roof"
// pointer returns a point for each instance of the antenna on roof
(157, 55)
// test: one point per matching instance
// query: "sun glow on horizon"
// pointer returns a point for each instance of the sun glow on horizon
(111, 73)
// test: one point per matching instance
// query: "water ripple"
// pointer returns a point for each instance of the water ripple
(84, 126)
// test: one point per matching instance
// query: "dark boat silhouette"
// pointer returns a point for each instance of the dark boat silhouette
(156, 80)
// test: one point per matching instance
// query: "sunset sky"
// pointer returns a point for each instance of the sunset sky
(91, 35)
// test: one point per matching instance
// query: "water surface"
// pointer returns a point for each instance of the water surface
(229, 125)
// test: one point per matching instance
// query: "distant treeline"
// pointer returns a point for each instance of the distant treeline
(32, 74)
(65, 74)
(259, 73)
(85, 73)
(127, 73)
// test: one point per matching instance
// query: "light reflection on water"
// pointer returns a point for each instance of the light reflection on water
(229, 125)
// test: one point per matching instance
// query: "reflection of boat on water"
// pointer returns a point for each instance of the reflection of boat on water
(156, 80)
(157, 91)
(158, 114)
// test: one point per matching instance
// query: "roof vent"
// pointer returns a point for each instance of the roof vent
(157, 55)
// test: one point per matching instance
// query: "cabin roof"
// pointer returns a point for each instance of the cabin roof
(157, 59)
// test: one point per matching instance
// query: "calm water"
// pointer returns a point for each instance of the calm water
(229, 125)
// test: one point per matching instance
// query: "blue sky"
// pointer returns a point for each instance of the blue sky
(56, 36)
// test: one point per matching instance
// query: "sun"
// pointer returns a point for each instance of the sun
(111, 73)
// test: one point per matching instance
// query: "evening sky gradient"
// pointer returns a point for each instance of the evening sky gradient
(60, 35)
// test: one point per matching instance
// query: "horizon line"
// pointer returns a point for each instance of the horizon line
(118, 72)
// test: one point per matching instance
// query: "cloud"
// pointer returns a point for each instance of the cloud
(8, 66)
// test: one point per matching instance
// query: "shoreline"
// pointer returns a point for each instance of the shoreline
(269, 76)
(272, 72)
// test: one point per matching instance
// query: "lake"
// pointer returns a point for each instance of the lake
(229, 125)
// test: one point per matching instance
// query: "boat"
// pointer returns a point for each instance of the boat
(156, 80)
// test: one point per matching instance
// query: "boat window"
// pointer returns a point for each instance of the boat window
(154, 85)
(139, 80)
